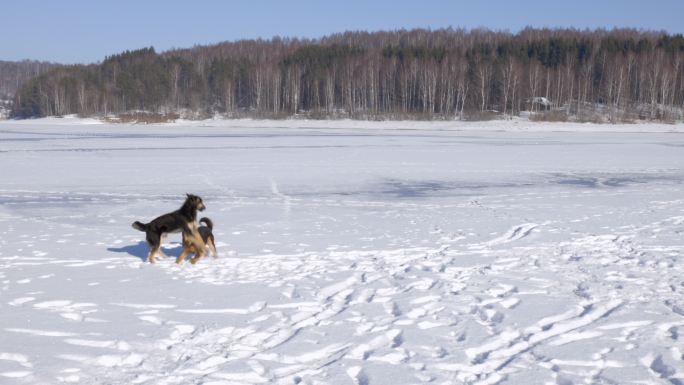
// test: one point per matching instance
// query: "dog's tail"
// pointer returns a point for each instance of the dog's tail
(207, 222)
(139, 226)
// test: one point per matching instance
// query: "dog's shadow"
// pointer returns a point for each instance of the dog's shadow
(141, 250)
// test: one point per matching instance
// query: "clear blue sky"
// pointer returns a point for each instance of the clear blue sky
(85, 31)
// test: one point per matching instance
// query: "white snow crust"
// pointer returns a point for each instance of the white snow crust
(350, 252)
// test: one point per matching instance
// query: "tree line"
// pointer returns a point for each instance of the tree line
(424, 74)
(14, 74)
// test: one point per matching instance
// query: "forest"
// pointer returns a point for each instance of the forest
(614, 75)
(14, 74)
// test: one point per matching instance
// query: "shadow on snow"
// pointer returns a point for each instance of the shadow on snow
(141, 250)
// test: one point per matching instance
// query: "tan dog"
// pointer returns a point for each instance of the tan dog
(207, 236)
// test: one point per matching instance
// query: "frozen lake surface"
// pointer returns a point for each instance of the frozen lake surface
(348, 255)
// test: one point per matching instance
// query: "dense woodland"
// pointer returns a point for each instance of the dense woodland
(14, 74)
(423, 74)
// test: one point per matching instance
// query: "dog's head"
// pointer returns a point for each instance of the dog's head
(195, 202)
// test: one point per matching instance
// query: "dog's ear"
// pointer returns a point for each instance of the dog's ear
(187, 195)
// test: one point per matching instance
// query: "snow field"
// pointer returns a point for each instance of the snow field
(347, 255)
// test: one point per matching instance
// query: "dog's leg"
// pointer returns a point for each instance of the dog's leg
(213, 248)
(161, 241)
(153, 251)
(198, 249)
(183, 255)
(155, 243)
(199, 254)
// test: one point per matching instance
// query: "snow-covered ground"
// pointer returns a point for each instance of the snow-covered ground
(350, 253)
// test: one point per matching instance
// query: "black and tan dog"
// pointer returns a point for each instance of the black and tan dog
(183, 220)
(208, 239)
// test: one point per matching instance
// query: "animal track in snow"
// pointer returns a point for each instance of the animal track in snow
(513, 234)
